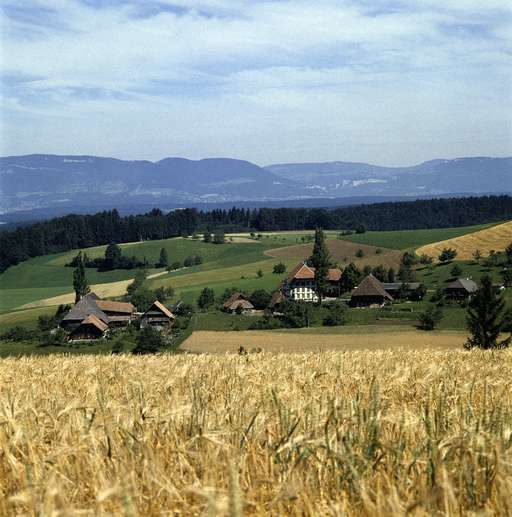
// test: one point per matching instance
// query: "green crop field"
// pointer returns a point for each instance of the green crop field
(407, 239)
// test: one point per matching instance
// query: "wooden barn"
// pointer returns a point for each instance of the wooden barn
(119, 314)
(157, 316)
(460, 289)
(238, 303)
(87, 306)
(90, 328)
(370, 292)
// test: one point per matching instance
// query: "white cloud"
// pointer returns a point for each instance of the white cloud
(256, 78)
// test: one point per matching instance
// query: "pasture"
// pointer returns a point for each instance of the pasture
(411, 239)
(496, 238)
(367, 433)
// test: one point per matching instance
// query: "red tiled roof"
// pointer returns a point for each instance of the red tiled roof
(304, 272)
(111, 306)
(93, 320)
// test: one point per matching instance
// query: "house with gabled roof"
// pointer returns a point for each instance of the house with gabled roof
(369, 292)
(238, 302)
(84, 308)
(300, 285)
(90, 328)
(157, 316)
(460, 289)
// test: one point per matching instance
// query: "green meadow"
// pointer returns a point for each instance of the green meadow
(410, 239)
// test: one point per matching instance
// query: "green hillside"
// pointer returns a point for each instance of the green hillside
(407, 239)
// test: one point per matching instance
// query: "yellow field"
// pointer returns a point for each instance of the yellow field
(380, 433)
(275, 341)
(495, 238)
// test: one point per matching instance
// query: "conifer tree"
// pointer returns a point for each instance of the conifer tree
(80, 284)
(485, 317)
(320, 260)
(163, 261)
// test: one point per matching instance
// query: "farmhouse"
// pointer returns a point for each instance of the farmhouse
(113, 314)
(301, 286)
(238, 303)
(369, 292)
(157, 316)
(460, 289)
(394, 288)
(90, 328)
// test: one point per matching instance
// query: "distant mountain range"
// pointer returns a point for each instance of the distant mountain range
(78, 183)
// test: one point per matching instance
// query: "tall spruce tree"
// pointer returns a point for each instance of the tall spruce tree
(320, 260)
(485, 317)
(163, 261)
(80, 284)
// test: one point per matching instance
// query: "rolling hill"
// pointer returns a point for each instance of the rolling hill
(84, 184)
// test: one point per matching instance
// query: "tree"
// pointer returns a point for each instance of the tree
(80, 284)
(430, 318)
(260, 299)
(350, 277)
(188, 262)
(447, 255)
(112, 257)
(198, 260)
(486, 317)
(477, 255)
(361, 228)
(149, 341)
(508, 254)
(163, 261)
(296, 314)
(279, 269)
(138, 282)
(380, 273)
(492, 259)
(425, 259)
(406, 274)
(336, 315)
(320, 260)
(207, 237)
(219, 238)
(174, 266)
(418, 294)
(162, 294)
(206, 298)
(391, 275)
(506, 275)
(408, 259)
(456, 271)
(359, 253)
(259, 273)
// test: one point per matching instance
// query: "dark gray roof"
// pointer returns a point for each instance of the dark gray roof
(370, 286)
(84, 308)
(398, 285)
(463, 283)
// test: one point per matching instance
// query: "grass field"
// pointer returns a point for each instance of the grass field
(410, 239)
(375, 433)
(495, 238)
(46, 278)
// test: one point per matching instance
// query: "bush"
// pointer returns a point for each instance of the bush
(260, 299)
(337, 314)
(359, 253)
(150, 341)
(17, 333)
(456, 271)
(279, 269)
(206, 298)
(174, 266)
(430, 318)
(447, 255)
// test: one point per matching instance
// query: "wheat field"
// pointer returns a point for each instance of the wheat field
(496, 238)
(362, 433)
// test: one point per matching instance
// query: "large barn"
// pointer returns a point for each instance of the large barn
(369, 292)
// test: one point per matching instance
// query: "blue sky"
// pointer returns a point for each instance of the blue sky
(387, 82)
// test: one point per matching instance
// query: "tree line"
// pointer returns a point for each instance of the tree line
(81, 231)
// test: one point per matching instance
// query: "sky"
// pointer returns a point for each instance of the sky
(389, 82)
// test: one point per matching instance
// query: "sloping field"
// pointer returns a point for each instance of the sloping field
(343, 252)
(377, 433)
(274, 341)
(495, 238)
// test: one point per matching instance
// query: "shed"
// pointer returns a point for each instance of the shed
(460, 289)
(237, 302)
(158, 316)
(90, 328)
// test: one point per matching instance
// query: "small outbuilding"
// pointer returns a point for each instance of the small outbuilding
(90, 328)
(369, 292)
(157, 316)
(238, 303)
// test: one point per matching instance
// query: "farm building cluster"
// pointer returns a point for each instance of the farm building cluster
(92, 317)
(300, 285)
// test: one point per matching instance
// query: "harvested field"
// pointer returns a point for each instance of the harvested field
(342, 252)
(495, 238)
(275, 341)
(323, 434)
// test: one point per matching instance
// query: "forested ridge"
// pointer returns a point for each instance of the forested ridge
(81, 231)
